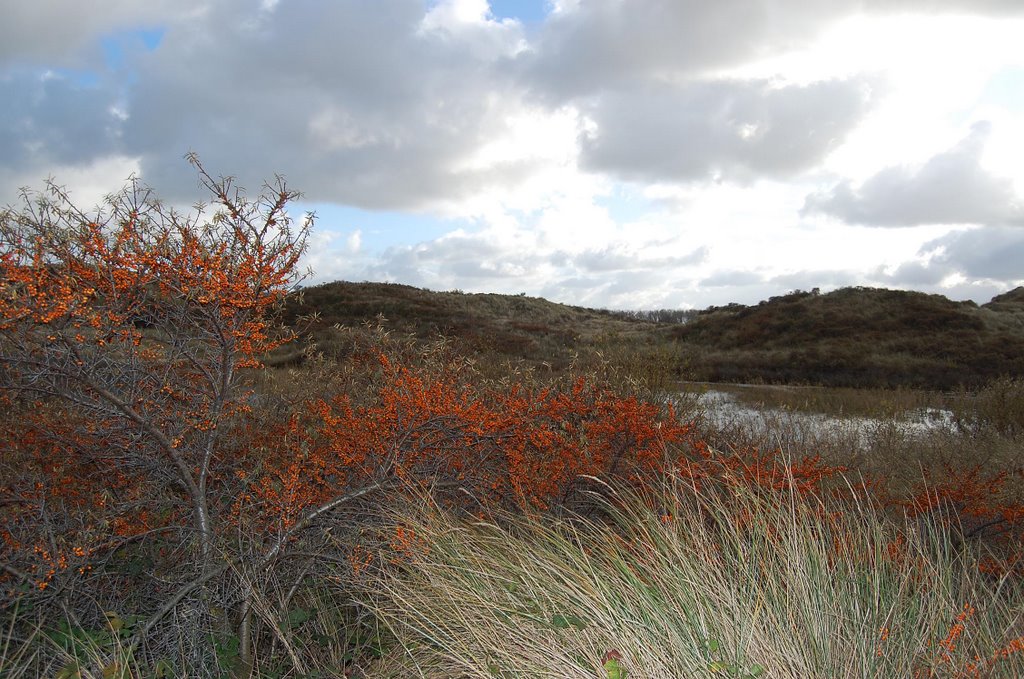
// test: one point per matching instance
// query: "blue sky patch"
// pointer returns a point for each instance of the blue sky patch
(1006, 88)
(118, 46)
(625, 205)
(527, 11)
(379, 229)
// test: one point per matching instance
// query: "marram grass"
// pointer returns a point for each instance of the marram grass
(692, 583)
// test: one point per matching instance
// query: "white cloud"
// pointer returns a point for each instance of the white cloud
(950, 188)
(88, 184)
(63, 33)
(355, 241)
(451, 13)
(988, 253)
(732, 130)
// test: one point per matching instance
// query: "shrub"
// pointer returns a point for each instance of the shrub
(998, 407)
(125, 339)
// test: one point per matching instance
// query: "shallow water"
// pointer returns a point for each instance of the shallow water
(723, 411)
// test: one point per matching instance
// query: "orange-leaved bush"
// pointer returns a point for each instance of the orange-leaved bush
(515, 443)
(975, 503)
(125, 335)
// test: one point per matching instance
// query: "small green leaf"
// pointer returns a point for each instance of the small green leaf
(297, 616)
(70, 671)
(114, 621)
(614, 669)
(612, 666)
(713, 645)
(566, 621)
(756, 671)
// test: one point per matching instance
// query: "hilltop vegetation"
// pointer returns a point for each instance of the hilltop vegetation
(862, 337)
(496, 330)
(512, 325)
(852, 337)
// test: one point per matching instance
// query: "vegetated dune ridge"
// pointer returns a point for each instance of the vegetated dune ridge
(852, 337)
(857, 337)
(494, 328)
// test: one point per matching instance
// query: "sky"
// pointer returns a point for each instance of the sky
(623, 154)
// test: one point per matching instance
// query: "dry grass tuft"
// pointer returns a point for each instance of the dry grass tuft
(692, 583)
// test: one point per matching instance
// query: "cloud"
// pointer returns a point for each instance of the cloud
(486, 256)
(978, 259)
(87, 183)
(590, 47)
(593, 46)
(389, 105)
(980, 7)
(64, 32)
(49, 120)
(914, 274)
(733, 130)
(621, 257)
(730, 278)
(371, 104)
(607, 272)
(808, 280)
(950, 188)
(385, 104)
(991, 253)
(479, 261)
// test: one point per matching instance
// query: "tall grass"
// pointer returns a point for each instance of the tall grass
(692, 583)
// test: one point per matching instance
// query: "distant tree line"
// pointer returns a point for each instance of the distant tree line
(659, 315)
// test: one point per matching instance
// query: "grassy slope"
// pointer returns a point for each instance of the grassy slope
(496, 328)
(860, 337)
(863, 337)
